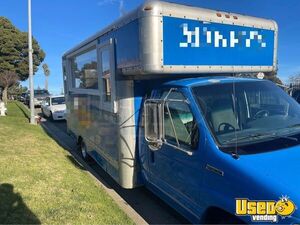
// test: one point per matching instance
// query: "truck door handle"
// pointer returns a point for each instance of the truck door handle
(214, 170)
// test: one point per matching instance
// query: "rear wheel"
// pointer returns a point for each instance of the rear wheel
(83, 151)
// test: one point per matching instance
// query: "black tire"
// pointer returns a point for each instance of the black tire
(51, 116)
(43, 114)
(221, 217)
(83, 152)
(229, 219)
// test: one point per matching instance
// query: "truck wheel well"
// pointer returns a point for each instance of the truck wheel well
(79, 140)
(215, 215)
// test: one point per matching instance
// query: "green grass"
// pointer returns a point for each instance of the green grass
(41, 183)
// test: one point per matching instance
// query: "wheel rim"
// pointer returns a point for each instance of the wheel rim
(83, 150)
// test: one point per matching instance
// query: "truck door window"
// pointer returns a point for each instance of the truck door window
(180, 124)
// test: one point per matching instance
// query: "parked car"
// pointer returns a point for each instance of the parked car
(54, 107)
(23, 97)
(39, 97)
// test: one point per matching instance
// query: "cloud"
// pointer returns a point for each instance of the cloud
(121, 8)
(113, 2)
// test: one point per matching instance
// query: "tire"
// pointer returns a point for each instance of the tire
(83, 151)
(222, 217)
(51, 116)
(229, 219)
(43, 113)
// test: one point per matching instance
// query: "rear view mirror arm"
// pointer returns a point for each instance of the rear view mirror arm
(170, 91)
(173, 126)
(190, 153)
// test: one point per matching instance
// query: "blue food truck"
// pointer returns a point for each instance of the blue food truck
(155, 100)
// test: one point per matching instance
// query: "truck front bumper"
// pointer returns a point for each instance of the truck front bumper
(58, 115)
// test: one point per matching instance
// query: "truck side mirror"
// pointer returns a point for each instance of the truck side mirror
(154, 133)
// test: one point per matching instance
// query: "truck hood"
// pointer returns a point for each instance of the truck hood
(284, 165)
(41, 96)
(280, 170)
(58, 107)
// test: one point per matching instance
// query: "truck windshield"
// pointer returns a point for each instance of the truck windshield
(248, 112)
(41, 92)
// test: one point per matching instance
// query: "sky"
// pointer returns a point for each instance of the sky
(59, 25)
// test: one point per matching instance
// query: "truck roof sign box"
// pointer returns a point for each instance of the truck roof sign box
(191, 42)
(167, 38)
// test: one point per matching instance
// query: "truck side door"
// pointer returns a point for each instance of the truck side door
(175, 169)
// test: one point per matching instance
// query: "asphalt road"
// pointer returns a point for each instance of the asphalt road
(152, 209)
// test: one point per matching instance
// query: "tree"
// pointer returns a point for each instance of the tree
(294, 80)
(47, 74)
(7, 79)
(272, 76)
(15, 90)
(24, 89)
(14, 52)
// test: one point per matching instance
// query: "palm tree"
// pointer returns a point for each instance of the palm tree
(46, 73)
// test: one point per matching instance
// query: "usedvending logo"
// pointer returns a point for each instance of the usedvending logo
(265, 211)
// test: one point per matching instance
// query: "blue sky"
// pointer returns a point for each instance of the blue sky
(59, 25)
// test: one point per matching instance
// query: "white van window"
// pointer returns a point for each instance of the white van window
(84, 70)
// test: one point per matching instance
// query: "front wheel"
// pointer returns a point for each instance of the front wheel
(221, 217)
(228, 219)
(43, 113)
(51, 116)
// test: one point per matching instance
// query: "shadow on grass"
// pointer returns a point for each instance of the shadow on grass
(23, 111)
(75, 162)
(13, 210)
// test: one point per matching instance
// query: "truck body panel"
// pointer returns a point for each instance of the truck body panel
(158, 33)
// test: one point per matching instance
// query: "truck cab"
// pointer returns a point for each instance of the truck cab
(209, 141)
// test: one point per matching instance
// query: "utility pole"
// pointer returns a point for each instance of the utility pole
(30, 51)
